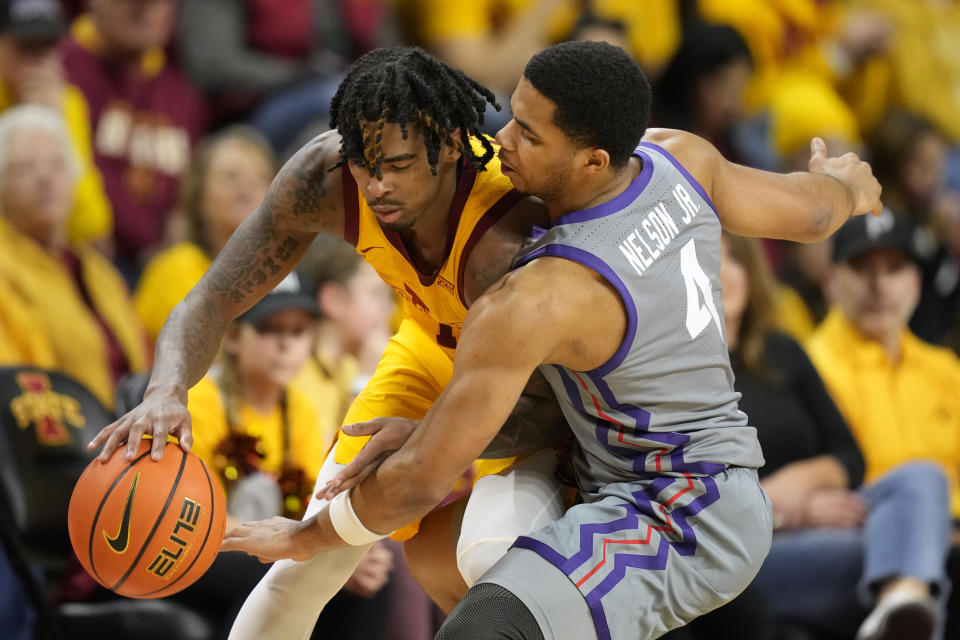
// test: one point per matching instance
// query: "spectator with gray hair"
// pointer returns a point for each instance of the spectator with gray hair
(74, 298)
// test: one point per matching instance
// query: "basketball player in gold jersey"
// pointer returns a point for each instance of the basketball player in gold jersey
(408, 179)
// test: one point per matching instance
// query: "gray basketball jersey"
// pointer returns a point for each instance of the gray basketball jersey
(664, 404)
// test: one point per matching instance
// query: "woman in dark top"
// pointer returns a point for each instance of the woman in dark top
(813, 463)
(802, 433)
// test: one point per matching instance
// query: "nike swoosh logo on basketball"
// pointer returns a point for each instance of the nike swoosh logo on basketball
(119, 542)
(369, 249)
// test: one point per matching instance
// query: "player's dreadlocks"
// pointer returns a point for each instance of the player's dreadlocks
(407, 85)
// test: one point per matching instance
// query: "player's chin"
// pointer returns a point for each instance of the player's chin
(516, 180)
(399, 224)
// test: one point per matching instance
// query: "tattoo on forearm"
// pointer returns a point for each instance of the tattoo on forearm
(252, 255)
(188, 344)
(262, 247)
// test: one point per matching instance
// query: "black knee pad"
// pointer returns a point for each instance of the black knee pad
(490, 612)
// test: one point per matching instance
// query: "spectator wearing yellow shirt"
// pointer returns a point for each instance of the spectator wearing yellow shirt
(67, 293)
(899, 397)
(31, 73)
(247, 420)
(921, 70)
(839, 45)
(19, 343)
(260, 435)
(227, 180)
(491, 40)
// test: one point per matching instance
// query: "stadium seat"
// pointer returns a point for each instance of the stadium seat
(46, 419)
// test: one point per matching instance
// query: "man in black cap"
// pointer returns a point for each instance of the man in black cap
(29, 66)
(899, 396)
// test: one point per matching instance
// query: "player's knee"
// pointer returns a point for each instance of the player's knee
(490, 612)
(475, 558)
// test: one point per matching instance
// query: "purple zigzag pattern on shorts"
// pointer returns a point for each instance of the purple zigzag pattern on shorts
(621, 559)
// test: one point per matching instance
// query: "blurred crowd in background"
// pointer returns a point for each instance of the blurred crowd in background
(136, 135)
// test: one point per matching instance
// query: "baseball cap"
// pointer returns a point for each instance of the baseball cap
(33, 20)
(861, 234)
(289, 294)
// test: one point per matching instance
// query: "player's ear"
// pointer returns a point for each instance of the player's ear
(596, 159)
(455, 152)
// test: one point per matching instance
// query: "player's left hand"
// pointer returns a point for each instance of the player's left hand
(269, 540)
(389, 434)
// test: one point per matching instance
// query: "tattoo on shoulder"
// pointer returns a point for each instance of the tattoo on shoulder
(304, 188)
(298, 204)
(308, 190)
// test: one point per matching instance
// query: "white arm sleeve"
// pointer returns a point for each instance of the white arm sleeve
(288, 600)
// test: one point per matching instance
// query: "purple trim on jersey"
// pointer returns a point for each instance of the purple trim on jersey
(542, 548)
(537, 232)
(571, 388)
(646, 505)
(618, 203)
(686, 174)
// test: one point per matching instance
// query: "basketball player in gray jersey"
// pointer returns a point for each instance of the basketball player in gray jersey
(619, 305)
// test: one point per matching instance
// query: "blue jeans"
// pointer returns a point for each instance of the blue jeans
(825, 578)
(16, 612)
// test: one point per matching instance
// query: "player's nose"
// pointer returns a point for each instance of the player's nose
(503, 136)
(378, 187)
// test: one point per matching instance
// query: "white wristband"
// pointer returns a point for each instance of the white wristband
(347, 524)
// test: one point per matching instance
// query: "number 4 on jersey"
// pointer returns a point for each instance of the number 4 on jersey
(698, 284)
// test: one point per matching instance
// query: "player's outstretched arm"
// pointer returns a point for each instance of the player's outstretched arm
(498, 350)
(536, 422)
(805, 206)
(305, 198)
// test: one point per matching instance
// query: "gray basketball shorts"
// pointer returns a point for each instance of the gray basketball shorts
(642, 557)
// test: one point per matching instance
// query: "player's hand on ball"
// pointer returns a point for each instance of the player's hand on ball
(852, 172)
(389, 434)
(269, 540)
(160, 414)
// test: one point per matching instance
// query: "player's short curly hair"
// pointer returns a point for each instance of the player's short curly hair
(406, 85)
(602, 96)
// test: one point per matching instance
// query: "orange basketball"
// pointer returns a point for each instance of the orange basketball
(147, 529)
